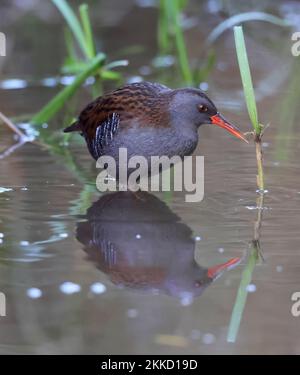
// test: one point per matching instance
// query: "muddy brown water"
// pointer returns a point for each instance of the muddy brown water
(81, 275)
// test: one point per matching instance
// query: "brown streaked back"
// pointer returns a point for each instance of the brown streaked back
(144, 103)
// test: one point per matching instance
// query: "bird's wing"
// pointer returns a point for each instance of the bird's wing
(100, 120)
(103, 135)
(98, 123)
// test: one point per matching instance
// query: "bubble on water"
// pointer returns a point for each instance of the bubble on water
(5, 190)
(163, 61)
(31, 132)
(134, 79)
(67, 80)
(260, 191)
(132, 313)
(186, 298)
(221, 250)
(49, 82)
(138, 236)
(13, 84)
(208, 338)
(90, 81)
(204, 86)
(251, 288)
(69, 288)
(45, 126)
(24, 243)
(258, 208)
(34, 293)
(279, 268)
(1, 235)
(198, 238)
(98, 288)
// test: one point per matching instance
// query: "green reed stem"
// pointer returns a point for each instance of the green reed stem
(73, 23)
(87, 28)
(163, 28)
(250, 100)
(170, 35)
(241, 297)
(246, 77)
(259, 161)
(180, 43)
(246, 278)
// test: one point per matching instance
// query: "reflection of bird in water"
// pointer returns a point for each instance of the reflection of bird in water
(141, 244)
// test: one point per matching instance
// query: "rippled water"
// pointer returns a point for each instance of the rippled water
(89, 273)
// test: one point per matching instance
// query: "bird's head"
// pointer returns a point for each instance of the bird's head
(194, 106)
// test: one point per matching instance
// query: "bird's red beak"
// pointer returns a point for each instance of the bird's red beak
(215, 271)
(219, 120)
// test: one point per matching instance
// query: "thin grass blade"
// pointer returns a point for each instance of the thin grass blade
(163, 28)
(246, 77)
(73, 23)
(180, 43)
(241, 297)
(87, 28)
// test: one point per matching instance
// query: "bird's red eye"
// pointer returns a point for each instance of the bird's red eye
(202, 108)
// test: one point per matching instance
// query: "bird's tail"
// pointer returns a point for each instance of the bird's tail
(75, 127)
